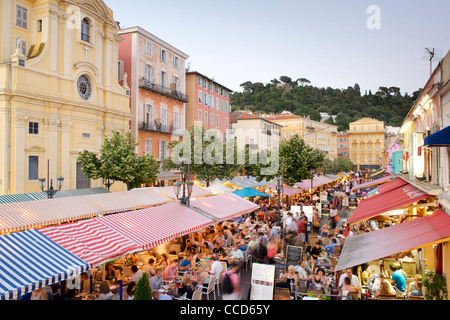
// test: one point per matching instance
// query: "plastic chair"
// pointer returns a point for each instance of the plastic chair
(211, 288)
(197, 295)
(248, 260)
(219, 280)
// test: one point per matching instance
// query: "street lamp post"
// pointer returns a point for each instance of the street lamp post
(187, 188)
(50, 190)
(279, 188)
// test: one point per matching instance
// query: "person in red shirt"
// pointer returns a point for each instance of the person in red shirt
(302, 228)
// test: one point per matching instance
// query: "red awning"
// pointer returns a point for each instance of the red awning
(373, 183)
(90, 240)
(391, 185)
(225, 206)
(152, 227)
(385, 242)
(386, 201)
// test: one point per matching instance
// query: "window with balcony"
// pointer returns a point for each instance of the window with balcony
(149, 115)
(163, 79)
(149, 73)
(176, 120)
(163, 119)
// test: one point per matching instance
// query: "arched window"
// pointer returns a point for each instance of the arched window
(85, 30)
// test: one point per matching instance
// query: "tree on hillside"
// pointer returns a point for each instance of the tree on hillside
(303, 99)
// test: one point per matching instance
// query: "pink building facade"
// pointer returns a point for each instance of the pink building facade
(209, 103)
(155, 73)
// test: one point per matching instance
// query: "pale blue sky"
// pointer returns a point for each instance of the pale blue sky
(325, 41)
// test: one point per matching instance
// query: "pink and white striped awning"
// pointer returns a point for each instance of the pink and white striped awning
(287, 190)
(197, 192)
(90, 240)
(151, 227)
(225, 206)
(15, 217)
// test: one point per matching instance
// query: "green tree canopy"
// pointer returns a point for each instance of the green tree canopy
(387, 104)
(206, 155)
(118, 161)
(296, 160)
(143, 290)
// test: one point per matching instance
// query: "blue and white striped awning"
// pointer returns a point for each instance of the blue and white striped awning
(29, 261)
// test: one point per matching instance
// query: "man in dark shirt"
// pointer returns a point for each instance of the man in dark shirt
(190, 247)
(217, 248)
(316, 251)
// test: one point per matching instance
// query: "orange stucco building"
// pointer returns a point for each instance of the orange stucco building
(155, 73)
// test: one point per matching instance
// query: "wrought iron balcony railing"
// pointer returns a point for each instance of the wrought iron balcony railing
(168, 92)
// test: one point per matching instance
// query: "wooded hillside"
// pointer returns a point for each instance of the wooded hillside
(303, 99)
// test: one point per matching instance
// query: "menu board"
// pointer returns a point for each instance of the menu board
(293, 255)
(263, 281)
(353, 202)
(325, 208)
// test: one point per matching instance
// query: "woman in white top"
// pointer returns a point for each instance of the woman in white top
(129, 293)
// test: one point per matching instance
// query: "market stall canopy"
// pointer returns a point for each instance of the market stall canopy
(249, 192)
(399, 238)
(90, 240)
(306, 184)
(439, 139)
(247, 182)
(323, 179)
(333, 177)
(29, 261)
(386, 201)
(218, 188)
(21, 216)
(372, 183)
(11, 198)
(197, 191)
(225, 206)
(151, 227)
(391, 185)
(166, 175)
(287, 190)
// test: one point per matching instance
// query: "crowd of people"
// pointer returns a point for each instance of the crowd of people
(218, 253)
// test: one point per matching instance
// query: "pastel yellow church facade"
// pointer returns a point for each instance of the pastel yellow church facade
(59, 90)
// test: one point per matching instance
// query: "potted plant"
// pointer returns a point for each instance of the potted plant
(143, 290)
(435, 286)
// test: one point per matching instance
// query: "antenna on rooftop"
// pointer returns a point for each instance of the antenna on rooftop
(432, 54)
